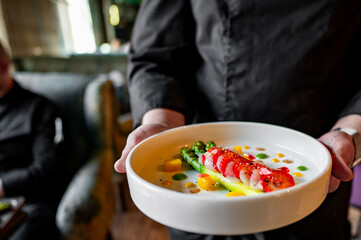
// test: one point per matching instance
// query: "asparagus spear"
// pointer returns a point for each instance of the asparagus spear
(209, 145)
(199, 147)
(192, 159)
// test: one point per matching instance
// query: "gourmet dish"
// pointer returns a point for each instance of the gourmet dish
(230, 170)
(263, 177)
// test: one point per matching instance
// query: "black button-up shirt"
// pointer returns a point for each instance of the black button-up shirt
(290, 63)
(30, 162)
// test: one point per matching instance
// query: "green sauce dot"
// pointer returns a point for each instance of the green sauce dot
(179, 176)
(261, 156)
(302, 168)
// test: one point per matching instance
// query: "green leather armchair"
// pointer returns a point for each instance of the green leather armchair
(89, 110)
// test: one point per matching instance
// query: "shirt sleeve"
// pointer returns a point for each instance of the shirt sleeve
(161, 56)
(351, 76)
(45, 175)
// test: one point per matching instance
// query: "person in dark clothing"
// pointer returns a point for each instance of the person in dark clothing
(289, 63)
(31, 161)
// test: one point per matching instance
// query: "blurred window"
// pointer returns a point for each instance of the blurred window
(76, 26)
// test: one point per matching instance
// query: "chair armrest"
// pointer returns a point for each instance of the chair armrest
(87, 207)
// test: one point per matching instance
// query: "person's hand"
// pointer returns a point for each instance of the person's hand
(154, 121)
(139, 134)
(342, 151)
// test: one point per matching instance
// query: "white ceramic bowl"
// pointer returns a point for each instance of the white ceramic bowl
(212, 213)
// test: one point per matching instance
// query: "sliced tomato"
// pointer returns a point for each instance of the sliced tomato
(223, 165)
(215, 152)
(278, 179)
(246, 165)
(203, 158)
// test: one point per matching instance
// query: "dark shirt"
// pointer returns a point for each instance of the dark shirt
(290, 63)
(30, 142)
